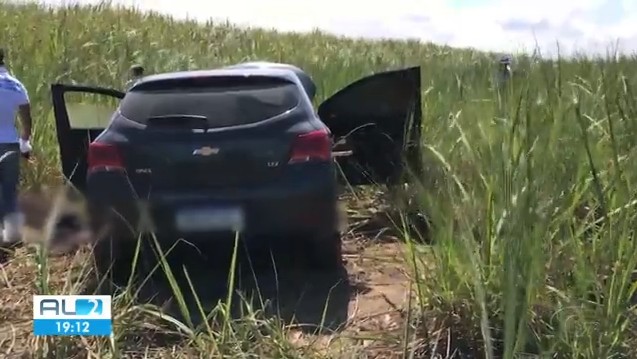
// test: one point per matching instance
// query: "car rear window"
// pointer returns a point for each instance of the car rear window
(224, 101)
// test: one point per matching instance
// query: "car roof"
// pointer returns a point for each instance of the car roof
(282, 71)
(306, 80)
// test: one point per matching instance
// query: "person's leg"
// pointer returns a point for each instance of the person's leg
(9, 180)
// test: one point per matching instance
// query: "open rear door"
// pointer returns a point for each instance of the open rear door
(377, 119)
(81, 114)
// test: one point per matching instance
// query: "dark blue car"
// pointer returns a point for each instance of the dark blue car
(199, 153)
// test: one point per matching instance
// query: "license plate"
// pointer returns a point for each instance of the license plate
(210, 219)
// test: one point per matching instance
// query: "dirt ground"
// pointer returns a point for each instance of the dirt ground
(366, 296)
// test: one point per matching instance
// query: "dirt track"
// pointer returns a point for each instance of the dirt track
(366, 296)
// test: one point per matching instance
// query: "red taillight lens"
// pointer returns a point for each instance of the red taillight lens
(312, 146)
(103, 155)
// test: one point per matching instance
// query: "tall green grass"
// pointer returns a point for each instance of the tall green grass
(530, 191)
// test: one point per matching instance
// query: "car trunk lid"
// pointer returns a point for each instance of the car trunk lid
(201, 161)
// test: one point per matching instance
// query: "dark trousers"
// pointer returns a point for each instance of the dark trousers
(9, 177)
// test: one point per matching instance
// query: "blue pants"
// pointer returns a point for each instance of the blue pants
(9, 177)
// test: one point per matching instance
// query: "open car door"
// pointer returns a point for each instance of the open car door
(377, 120)
(81, 114)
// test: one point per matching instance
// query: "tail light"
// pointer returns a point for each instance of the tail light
(312, 146)
(104, 155)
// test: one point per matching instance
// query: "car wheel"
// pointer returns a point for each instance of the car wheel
(113, 261)
(325, 252)
(115, 249)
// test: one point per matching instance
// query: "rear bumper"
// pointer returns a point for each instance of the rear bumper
(298, 206)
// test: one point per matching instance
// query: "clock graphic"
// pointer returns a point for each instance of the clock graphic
(72, 315)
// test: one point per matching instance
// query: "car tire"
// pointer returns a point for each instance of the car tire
(115, 249)
(113, 261)
(325, 252)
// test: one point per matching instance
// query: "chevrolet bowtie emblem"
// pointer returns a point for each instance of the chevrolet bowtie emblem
(205, 151)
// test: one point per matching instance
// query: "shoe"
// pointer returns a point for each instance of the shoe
(12, 232)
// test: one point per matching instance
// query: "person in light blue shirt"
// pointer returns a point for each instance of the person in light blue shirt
(14, 100)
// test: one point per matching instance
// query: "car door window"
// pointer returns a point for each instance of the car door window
(89, 110)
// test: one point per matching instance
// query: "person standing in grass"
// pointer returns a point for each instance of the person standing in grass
(14, 99)
(502, 79)
(136, 73)
(504, 70)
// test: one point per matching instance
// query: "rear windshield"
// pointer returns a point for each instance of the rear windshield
(228, 101)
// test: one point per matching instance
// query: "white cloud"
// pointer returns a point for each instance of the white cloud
(499, 25)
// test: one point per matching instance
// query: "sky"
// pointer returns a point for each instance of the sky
(590, 26)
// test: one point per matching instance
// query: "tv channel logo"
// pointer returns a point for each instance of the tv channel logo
(72, 315)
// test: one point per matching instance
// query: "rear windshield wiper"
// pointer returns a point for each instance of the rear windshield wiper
(178, 117)
(178, 121)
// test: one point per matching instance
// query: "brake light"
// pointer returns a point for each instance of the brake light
(312, 146)
(103, 155)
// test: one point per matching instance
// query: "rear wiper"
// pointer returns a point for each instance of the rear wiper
(179, 120)
(179, 117)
